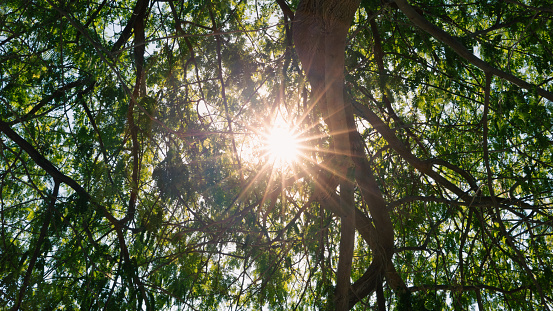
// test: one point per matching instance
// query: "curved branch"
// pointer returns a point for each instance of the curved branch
(285, 9)
(40, 160)
(51, 170)
(394, 142)
(462, 51)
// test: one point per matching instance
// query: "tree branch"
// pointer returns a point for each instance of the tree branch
(394, 142)
(285, 9)
(40, 160)
(140, 6)
(462, 51)
(46, 165)
(38, 246)
(139, 90)
(436, 287)
(31, 114)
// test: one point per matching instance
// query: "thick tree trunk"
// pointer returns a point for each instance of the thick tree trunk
(320, 31)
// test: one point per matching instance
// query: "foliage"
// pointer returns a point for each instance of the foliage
(132, 173)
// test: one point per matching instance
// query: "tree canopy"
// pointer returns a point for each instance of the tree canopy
(137, 172)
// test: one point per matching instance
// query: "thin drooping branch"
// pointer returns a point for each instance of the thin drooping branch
(456, 287)
(38, 247)
(33, 112)
(228, 117)
(545, 8)
(519, 258)
(485, 135)
(462, 51)
(482, 201)
(139, 91)
(95, 127)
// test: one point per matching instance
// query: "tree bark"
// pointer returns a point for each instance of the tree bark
(320, 32)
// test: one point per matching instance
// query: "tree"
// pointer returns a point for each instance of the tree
(134, 171)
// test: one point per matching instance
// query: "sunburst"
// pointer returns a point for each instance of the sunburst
(282, 145)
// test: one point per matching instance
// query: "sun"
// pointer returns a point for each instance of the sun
(282, 145)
